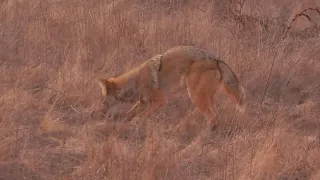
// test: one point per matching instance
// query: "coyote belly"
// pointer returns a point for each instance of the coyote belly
(177, 69)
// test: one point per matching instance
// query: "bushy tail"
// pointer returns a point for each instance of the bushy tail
(232, 86)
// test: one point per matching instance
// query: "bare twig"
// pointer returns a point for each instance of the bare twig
(303, 14)
(239, 17)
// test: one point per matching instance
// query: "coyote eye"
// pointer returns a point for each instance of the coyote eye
(128, 94)
(110, 100)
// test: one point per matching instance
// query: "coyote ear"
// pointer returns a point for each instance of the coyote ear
(103, 84)
(107, 86)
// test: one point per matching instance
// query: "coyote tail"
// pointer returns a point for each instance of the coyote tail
(231, 85)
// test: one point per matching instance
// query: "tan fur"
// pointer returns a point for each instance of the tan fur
(177, 69)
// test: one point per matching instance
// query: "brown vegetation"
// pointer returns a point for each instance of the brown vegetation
(51, 51)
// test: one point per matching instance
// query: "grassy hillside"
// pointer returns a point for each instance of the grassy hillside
(51, 52)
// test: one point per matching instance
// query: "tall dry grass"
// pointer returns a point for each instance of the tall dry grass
(51, 52)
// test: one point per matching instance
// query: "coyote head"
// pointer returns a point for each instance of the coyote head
(113, 91)
(108, 90)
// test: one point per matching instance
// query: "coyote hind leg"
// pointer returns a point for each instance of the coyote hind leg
(205, 104)
(202, 87)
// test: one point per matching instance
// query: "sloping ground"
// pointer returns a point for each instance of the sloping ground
(51, 52)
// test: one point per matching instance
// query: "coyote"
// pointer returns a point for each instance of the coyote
(177, 69)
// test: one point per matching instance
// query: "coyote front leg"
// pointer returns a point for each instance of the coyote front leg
(137, 108)
(153, 101)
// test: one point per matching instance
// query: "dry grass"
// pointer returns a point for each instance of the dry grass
(51, 52)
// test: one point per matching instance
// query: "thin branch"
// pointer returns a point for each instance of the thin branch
(303, 13)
